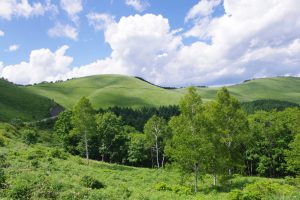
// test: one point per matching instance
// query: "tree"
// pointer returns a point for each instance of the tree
(83, 121)
(189, 146)
(157, 132)
(293, 155)
(109, 130)
(229, 135)
(138, 148)
(63, 124)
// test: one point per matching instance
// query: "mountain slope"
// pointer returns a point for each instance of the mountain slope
(279, 88)
(18, 102)
(107, 90)
(111, 90)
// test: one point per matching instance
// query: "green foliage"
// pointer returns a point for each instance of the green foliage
(30, 136)
(267, 105)
(3, 141)
(157, 133)
(58, 153)
(263, 190)
(3, 183)
(190, 147)
(179, 189)
(91, 182)
(63, 124)
(21, 191)
(138, 150)
(293, 155)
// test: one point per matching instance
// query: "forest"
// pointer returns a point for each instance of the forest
(221, 139)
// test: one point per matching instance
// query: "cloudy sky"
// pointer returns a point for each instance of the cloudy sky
(169, 42)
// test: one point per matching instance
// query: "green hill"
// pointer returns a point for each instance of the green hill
(118, 90)
(279, 88)
(33, 102)
(18, 102)
(107, 90)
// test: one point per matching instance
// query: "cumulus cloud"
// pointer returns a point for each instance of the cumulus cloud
(100, 21)
(23, 8)
(2, 33)
(73, 8)
(202, 9)
(63, 30)
(252, 39)
(13, 47)
(138, 5)
(43, 65)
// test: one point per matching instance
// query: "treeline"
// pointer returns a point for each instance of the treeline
(217, 137)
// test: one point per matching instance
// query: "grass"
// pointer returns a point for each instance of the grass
(35, 171)
(118, 90)
(33, 102)
(18, 102)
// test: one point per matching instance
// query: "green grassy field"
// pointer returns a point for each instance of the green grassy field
(18, 102)
(117, 90)
(42, 171)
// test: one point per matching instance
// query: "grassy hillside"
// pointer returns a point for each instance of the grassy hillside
(18, 102)
(280, 88)
(111, 90)
(107, 90)
(40, 171)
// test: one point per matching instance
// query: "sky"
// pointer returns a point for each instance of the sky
(167, 42)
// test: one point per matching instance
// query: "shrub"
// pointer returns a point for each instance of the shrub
(57, 153)
(91, 182)
(3, 141)
(30, 136)
(2, 179)
(263, 190)
(162, 187)
(21, 192)
(3, 161)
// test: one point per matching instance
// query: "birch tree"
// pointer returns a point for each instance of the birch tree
(157, 132)
(83, 121)
(190, 147)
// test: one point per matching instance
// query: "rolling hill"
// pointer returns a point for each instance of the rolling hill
(33, 102)
(111, 90)
(19, 102)
(107, 90)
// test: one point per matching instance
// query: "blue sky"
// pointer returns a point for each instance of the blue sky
(169, 42)
(31, 33)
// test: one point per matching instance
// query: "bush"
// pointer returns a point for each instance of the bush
(263, 190)
(90, 182)
(57, 153)
(3, 141)
(3, 161)
(21, 192)
(162, 187)
(30, 136)
(2, 179)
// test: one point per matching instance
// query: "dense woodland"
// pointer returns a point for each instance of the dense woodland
(217, 137)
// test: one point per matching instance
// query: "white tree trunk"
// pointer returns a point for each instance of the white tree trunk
(86, 146)
(157, 153)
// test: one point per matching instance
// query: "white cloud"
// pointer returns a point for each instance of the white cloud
(13, 47)
(43, 65)
(63, 30)
(138, 5)
(73, 8)
(2, 33)
(252, 39)
(100, 21)
(202, 9)
(23, 8)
